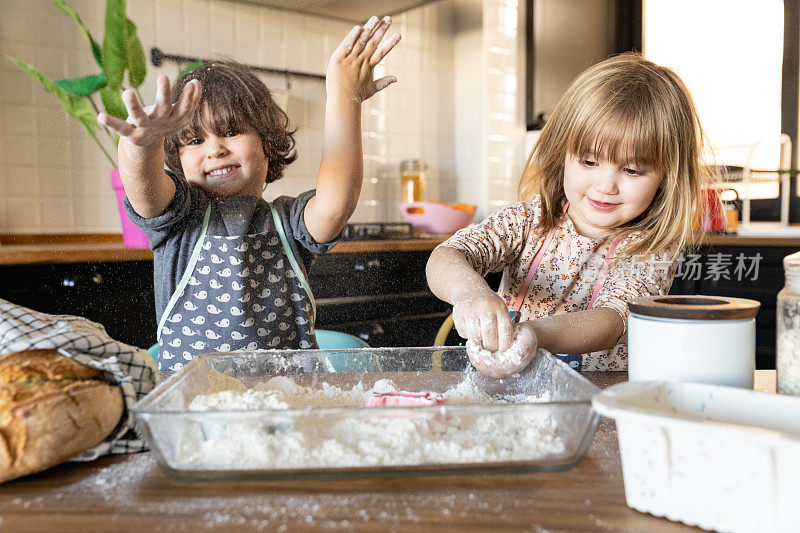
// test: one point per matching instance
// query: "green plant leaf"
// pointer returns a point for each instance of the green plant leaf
(190, 67)
(83, 86)
(137, 68)
(96, 51)
(75, 105)
(112, 102)
(114, 57)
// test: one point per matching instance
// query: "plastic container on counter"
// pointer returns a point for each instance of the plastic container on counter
(787, 317)
(720, 458)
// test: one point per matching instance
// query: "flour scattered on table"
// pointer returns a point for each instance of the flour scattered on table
(317, 437)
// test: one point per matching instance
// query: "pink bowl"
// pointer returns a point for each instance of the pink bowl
(433, 217)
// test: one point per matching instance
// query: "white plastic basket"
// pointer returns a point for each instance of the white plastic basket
(716, 457)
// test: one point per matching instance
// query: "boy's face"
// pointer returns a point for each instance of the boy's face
(224, 166)
(604, 195)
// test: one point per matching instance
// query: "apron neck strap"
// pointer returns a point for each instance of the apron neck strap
(292, 261)
(187, 274)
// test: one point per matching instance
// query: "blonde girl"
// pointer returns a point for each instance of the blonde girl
(608, 194)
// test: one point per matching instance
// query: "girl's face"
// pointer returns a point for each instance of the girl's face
(227, 165)
(604, 195)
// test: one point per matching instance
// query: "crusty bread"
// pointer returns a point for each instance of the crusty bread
(42, 365)
(51, 409)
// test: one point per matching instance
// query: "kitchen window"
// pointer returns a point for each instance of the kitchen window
(739, 58)
(730, 54)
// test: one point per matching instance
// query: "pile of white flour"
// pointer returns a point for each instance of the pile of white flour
(318, 439)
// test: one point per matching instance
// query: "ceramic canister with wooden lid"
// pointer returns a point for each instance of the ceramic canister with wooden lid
(706, 339)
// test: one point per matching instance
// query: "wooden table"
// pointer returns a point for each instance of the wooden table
(82, 252)
(129, 493)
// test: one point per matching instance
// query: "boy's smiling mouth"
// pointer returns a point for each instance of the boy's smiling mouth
(221, 172)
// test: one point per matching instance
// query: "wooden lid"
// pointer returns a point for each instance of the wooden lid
(695, 307)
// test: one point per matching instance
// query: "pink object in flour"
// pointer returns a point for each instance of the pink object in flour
(405, 399)
(132, 235)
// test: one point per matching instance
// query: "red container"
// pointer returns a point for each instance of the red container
(711, 216)
(131, 234)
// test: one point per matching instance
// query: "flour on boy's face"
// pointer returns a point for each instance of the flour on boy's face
(225, 164)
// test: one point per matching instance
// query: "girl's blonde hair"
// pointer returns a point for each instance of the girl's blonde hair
(625, 109)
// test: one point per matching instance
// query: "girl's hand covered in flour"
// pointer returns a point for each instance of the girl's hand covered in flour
(498, 364)
(483, 318)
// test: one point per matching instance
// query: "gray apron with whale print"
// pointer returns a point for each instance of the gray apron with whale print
(238, 293)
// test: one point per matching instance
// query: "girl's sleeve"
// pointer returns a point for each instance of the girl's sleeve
(494, 243)
(636, 276)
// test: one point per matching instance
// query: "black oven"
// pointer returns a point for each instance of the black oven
(380, 297)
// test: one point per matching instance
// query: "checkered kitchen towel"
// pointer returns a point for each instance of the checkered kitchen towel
(87, 343)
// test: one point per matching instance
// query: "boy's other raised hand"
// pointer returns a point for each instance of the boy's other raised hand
(147, 126)
(350, 70)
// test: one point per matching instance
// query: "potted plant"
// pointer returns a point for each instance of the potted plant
(120, 52)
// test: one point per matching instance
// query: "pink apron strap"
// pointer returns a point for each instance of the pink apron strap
(601, 279)
(532, 271)
(537, 259)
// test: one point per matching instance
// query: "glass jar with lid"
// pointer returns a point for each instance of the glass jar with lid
(412, 180)
(787, 317)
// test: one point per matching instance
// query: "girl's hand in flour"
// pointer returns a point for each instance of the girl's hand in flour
(350, 70)
(504, 363)
(149, 126)
(484, 318)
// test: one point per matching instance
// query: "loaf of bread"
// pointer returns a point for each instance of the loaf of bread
(51, 409)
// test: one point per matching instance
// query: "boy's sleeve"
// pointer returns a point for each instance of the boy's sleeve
(291, 212)
(186, 202)
(635, 277)
(494, 243)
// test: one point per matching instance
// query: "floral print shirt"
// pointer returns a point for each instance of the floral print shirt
(570, 267)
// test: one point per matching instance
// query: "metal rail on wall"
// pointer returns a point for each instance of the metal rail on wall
(157, 57)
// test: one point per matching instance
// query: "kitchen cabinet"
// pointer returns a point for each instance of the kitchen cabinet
(117, 294)
(381, 297)
(375, 290)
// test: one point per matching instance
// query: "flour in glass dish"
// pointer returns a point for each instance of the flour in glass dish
(320, 440)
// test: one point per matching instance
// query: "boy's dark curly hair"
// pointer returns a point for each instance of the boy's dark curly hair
(238, 100)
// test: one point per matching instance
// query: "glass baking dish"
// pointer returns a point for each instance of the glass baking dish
(548, 396)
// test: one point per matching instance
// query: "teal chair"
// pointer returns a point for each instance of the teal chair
(153, 351)
(327, 340)
(336, 340)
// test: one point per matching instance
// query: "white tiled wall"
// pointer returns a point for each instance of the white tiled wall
(490, 135)
(449, 106)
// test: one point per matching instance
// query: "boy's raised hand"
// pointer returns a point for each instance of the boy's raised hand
(350, 70)
(147, 126)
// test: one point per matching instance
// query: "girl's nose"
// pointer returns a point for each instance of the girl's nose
(606, 182)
